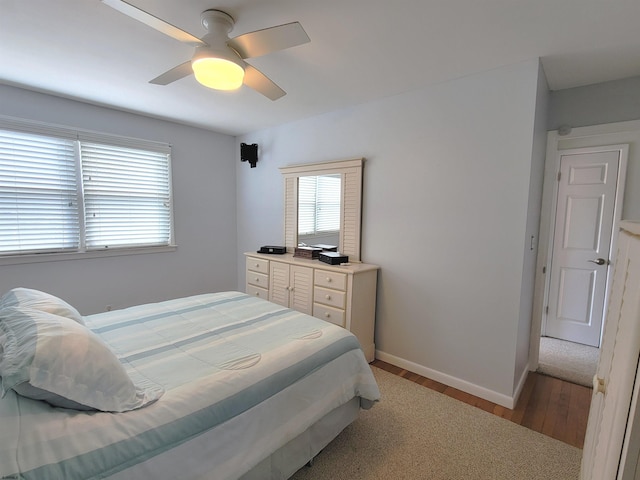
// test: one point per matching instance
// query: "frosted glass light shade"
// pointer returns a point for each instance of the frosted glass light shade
(218, 73)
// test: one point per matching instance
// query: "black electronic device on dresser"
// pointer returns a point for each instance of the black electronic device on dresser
(273, 249)
(333, 258)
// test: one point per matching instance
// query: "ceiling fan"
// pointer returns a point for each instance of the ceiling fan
(218, 61)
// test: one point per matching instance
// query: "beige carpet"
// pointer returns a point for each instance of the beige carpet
(568, 361)
(416, 433)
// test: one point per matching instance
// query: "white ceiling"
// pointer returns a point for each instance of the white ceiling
(360, 50)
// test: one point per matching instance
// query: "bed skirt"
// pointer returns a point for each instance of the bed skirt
(287, 460)
(280, 465)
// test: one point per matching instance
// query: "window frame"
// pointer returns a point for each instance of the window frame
(78, 136)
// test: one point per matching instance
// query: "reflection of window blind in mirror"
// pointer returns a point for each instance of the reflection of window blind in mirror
(328, 203)
(318, 204)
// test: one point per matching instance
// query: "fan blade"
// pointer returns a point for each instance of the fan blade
(154, 22)
(176, 73)
(257, 80)
(261, 42)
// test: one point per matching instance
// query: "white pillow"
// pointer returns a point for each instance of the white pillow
(27, 297)
(65, 364)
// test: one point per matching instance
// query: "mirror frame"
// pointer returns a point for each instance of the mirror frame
(350, 202)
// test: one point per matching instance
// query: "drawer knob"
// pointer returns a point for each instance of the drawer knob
(328, 297)
(257, 279)
(327, 314)
(257, 265)
(328, 279)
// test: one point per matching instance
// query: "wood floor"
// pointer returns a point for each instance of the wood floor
(547, 405)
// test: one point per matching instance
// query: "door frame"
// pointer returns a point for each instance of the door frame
(602, 137)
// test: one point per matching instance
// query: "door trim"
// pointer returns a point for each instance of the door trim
(599, 137)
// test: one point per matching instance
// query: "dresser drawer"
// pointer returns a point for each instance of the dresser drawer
(257, 292)
(333, 298)
(329, 314)
(257, 265)
(257, 279)
(335, 280)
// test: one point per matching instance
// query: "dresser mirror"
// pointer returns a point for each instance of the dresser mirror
(319, 209)
(331, 216)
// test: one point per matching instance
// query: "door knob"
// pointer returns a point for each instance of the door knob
(599, 261)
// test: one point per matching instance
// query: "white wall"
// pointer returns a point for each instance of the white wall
(533, 232)
(204, 209)
(603, 114)
(606, 102)
(445, 214)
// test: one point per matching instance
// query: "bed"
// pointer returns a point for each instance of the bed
(213, 386)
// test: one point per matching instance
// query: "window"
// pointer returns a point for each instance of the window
(69, 191)
(126, 196)
(318, 204)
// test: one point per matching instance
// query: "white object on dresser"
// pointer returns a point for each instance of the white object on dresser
(340, 294)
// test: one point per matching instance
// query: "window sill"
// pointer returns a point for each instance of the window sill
(58, 257)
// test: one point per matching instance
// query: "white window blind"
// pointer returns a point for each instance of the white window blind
(126, 196)
(38, 194)
(63, 190)
(318, 204)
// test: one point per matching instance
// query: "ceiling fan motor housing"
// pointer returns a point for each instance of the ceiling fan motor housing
(213, 19)
(218, 25)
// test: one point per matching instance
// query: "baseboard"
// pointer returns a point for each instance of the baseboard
(482, 392)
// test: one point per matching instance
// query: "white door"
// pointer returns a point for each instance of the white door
(582, 237)
(608, 434)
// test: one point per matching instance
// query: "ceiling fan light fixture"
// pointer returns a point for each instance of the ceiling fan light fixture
(217, 71)
(218, 61)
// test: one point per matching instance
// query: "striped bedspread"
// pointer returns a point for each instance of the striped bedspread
(217, 356)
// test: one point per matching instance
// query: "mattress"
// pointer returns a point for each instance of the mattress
(243, 374)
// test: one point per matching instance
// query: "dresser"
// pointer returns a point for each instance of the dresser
(341, 294)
